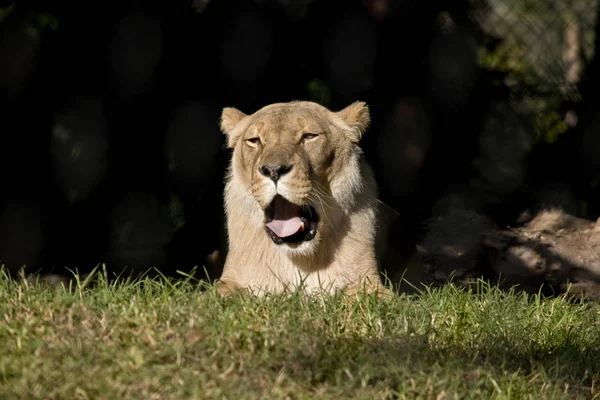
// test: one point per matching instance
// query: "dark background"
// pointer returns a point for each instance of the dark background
(109, 144)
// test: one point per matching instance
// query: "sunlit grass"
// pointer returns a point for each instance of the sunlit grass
(159, 338)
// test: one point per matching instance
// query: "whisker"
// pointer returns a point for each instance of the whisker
(318, 184)
(321, 193)
(330, 202)
(319, 204)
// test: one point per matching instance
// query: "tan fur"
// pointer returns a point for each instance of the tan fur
(329, 172)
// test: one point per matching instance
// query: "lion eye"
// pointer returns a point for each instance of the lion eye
(253, 141)
(309, 136)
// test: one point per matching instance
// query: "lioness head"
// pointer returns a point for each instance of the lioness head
(299, 165)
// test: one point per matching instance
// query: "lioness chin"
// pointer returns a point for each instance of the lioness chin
(300, 201)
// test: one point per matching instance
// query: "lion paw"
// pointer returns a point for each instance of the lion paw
(381, 291)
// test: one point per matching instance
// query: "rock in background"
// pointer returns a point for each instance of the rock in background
(553, 251)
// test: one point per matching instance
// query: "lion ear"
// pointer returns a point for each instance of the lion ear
(230, 119)
(358, 117)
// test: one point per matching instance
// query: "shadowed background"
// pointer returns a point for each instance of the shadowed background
(109, 144)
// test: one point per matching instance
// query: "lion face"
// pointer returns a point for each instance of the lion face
(295, 160)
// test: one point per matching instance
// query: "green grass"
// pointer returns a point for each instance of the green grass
(159, 339)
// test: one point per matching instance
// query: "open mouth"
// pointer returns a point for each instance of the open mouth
(290, 223)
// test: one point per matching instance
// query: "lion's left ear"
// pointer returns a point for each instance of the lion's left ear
(358, 117)
(230, 119)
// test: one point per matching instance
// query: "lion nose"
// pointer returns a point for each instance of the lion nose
(275, 171)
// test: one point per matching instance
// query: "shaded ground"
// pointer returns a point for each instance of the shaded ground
(552, 251)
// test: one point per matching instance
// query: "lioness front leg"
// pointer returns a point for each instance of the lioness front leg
(368, 287)
(226, 288)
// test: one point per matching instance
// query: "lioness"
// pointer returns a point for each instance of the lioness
(300, 200)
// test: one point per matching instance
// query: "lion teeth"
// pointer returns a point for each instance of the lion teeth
(301, 227)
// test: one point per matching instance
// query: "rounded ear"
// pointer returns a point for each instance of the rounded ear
(357, 117)
(230, 123)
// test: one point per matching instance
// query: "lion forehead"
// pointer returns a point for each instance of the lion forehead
(286, 119)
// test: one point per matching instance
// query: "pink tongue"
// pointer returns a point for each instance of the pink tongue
(286, 221)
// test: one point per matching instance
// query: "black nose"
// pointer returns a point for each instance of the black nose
(275, 171)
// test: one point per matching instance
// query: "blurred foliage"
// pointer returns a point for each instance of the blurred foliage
(529, 35)
(319, 92)
(544, 112)
(47, 20)
(40, 23)
(176, 212)
(548, 125)
(525, 40)
(547, 122)
(508, 58)
(6, 11)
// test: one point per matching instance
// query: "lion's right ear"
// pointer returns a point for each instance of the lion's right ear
(230, 124)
